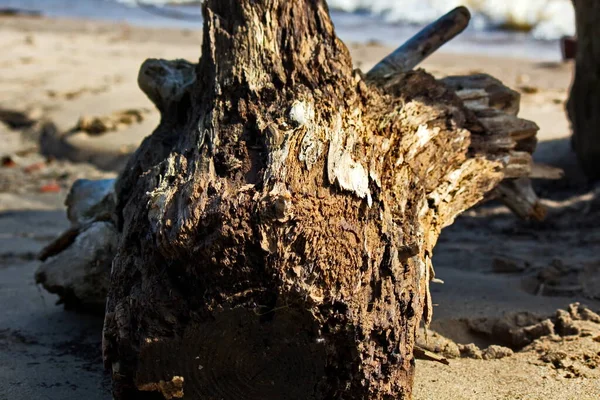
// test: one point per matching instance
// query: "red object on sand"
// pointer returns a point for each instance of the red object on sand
(52, 187)
(34, 167)
(568, 46)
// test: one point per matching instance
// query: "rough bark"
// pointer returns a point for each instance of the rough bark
(584, 102)
(276, 230)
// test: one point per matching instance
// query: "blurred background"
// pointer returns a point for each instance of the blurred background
(509, 27)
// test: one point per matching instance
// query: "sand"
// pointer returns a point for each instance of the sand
(57, 71)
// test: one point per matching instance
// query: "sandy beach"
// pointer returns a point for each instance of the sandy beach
(56, 74)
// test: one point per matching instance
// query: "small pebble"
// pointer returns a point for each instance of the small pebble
(52, 187)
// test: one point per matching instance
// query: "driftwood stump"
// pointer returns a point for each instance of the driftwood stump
(275, 232)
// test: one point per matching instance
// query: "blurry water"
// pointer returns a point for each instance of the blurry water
(100, 9)
(389, 22)
(545, 19)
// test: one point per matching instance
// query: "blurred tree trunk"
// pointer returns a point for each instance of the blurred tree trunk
(584, 101)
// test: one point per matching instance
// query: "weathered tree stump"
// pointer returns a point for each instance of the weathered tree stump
(584, 100)
(277, 229)
(275, 232)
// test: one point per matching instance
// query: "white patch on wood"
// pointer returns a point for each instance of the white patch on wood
(352, 176)
(311, 149)
(423, 135)
(375, 177)
(302, 113)
(342, 168)
(161, 195)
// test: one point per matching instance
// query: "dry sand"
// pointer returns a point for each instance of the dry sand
(57, 71)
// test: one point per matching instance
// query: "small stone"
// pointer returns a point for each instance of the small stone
(16, 119)
(52, 187)
(529, 89)
(585, 314)
(94, 125)
(586, 333)
(470, 351)
(495, 352)
(524, 336)
(565, 326)
(555, 358)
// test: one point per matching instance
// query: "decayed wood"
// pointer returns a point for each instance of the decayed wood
(277, 228)
(76, 266)
(166, 83)
(584, 101)
(496, 107)
(482, 91)
(423, 44)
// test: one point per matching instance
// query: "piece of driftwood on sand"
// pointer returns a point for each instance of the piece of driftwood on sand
(275, 232)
